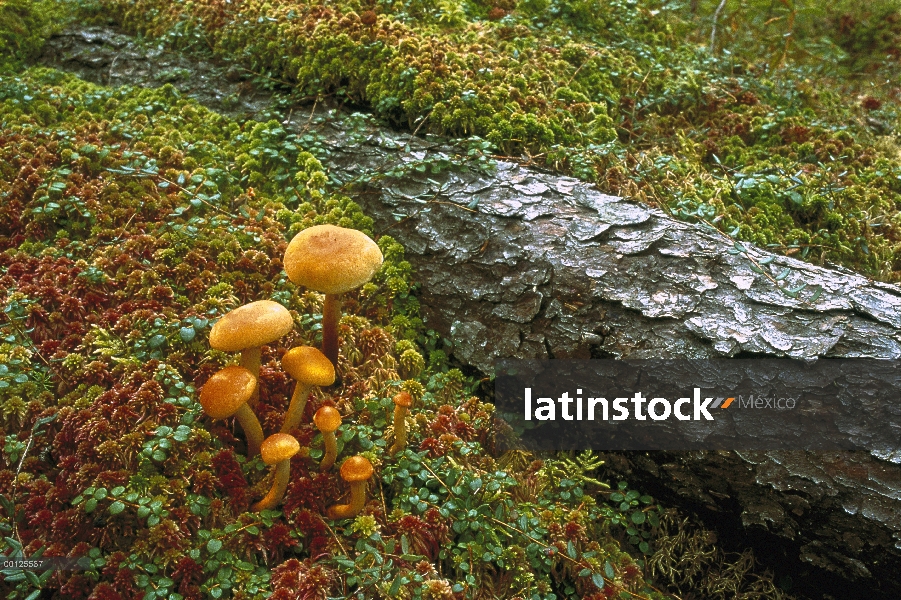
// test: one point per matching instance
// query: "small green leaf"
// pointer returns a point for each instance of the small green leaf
(213, 546)
(608, 570)
(395, 586)
(90, 505)
(116, 507)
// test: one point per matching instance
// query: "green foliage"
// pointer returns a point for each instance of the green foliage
(770, 130)
(138, 219)
(132, 219)
(25, 25)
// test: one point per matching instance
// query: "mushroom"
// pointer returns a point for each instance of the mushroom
(331, 260)
(247, 329)
(402, 402)
(327, 420)
(225, 394)
(277, 450)
(309, 367)
(356, 471)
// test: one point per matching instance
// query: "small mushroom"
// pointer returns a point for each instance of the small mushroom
(356, 471)
(309, 367)
(328, 420)
(277, 450)
(402, 402)
(247, 329)
(331, 260)
(225, 394)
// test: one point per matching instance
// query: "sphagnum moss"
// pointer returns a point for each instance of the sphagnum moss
(117, 298)
(611, 93)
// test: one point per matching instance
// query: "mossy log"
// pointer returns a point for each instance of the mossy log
(520, 263)
(531, 265)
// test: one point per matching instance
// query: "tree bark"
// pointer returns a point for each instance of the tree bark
(530, 265)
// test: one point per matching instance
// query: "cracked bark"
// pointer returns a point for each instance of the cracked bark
(547, 267)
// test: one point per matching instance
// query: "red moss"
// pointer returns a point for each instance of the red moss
(296, 580)
(871, 103)
(104, 591)
(231, 480)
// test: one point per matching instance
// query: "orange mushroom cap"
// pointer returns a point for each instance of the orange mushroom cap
(356, 468)
(331, 259)
(255, 324)
(224, 393)
(308, 365)
(278, 447)
(327, 419)
(403, 399)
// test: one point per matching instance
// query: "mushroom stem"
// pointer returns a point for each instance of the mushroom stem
(331, 450)
(250, 360)
(252, 429)
(331, 314)
(400, 429)
(278, 489)
(295, 409)
(357, 502)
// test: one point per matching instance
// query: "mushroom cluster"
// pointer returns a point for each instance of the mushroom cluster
(330, 260)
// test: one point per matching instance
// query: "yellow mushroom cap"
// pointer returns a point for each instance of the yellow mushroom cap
(356, 468)
(278, 447)
(224, 393)
(331, 259)
(255, 324)
(308, 365)
(403, 399)
(327, 419)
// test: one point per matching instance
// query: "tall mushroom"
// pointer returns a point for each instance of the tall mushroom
(328, 420)
(309, 367)
(356, 471)
(402, 402)
(247, 329)
(225, 394)
(331, 260)
(277, 450)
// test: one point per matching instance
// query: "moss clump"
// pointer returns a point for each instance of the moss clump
(612, 93)
(117, 253)
(25, 25)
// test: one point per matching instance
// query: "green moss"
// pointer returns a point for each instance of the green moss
(24, 27)
(623, 102)
(117, 293)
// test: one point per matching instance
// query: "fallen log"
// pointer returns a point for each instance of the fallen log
(531, 265)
